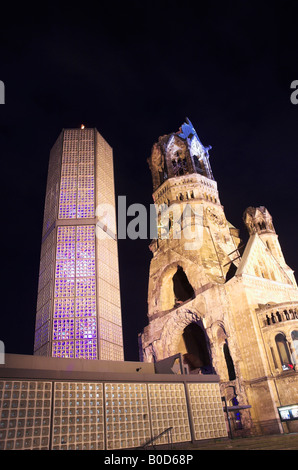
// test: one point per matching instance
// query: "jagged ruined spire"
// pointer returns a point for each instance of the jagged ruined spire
(178, 154)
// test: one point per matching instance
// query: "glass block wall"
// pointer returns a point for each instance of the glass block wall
(83, 415)
(169, 409)
(76, 197)
(25, 420)
(78, 306)
(127, 415)
(74, 317)
(206, 408)
(78, 420)
(108, 293)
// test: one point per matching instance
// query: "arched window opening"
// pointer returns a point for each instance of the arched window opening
(229, 362)
(262, 226)
(197, 355)
(294, 336)
(278, 316)
(287, 315)
(179, 165)
(198, 165)
(283, 352)
(183, 290)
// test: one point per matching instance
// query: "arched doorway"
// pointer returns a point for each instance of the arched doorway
(195, 349)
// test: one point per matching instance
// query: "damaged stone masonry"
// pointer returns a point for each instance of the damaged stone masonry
(228, 308)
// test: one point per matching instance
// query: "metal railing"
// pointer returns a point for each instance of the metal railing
(153, 439)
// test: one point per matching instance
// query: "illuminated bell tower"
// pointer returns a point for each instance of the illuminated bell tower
(78, 305)
(183, 266)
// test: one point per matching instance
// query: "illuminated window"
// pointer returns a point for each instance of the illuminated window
(63, 349)
(63, 329)
(294, 336)
(64, 308)
(75, 323)
(283, 351)
(76, 198)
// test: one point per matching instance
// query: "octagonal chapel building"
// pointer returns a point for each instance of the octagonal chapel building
(221, 306)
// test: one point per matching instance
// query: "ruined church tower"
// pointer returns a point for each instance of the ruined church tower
(210, 298)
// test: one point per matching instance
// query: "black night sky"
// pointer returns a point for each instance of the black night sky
(135, 70)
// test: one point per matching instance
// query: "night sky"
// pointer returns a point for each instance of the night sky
(135, 71)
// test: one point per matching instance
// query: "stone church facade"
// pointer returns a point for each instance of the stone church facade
(228, 308)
